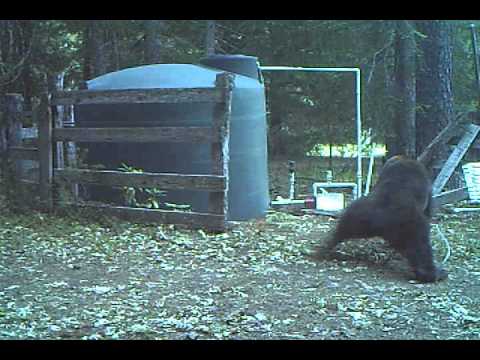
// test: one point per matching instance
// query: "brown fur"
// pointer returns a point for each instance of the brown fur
(399, 209)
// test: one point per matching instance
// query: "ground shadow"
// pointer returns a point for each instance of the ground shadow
(391, 267)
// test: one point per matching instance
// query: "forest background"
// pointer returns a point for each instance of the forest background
(416, 74)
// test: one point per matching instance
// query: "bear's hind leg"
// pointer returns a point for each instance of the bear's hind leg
(356, 222)
(413, 242)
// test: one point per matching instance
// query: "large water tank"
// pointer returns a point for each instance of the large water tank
(248, 187)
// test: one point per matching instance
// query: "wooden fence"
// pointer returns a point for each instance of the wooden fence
(51, 133)
(13, 135)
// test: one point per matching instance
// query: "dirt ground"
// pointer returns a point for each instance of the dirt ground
(67, 278)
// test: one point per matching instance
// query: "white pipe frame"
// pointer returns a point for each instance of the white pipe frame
(358, 107)
(370, 173)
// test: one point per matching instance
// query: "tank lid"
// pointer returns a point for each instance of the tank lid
(156, 76)
(239, 64)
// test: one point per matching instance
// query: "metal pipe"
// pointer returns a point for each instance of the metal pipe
(359, 134)
(370, 173)
(313, 69)
(291, 170)
(357, 109)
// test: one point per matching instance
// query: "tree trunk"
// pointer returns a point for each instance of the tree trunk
(115, 52)
(27, 30)
(404, 89)
(434, 85)
(153, 43)
(87, 50)
(388, 73)
(15, 57)
(6, 41)
(210, 37)
(277, 146)
(96, 56)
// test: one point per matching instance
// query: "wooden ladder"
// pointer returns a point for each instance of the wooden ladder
(455, 157)
(463, 125)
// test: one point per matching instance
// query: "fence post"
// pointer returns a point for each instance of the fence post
(71, 148)
(3, 135)
(14, 120)
(65, 151)
(218, 201)
(45, 148)
(59, 117)
(10, 135)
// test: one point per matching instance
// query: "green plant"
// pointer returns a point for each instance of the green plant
(140, 196)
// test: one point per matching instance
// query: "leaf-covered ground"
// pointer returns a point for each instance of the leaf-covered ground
(79, 279)
(75, 278)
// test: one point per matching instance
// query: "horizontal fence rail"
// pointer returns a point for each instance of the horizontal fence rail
(137, 96)
(136, 135)
(159, 180)
(191, 219)
(23, 153)
(51, 136)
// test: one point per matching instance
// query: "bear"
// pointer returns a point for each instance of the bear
(399, 209)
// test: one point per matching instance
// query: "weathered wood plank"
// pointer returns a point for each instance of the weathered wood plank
(455, 157)
(23, 153)
(218, 202)
(28, 182)
(45, 151)
(58, 118)
(453, 128)
(136, 135)
(11, 109)
(450, 197)
(136, 96)
(191, 219)
(13, 117)
(71, 148)
(157, 180)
